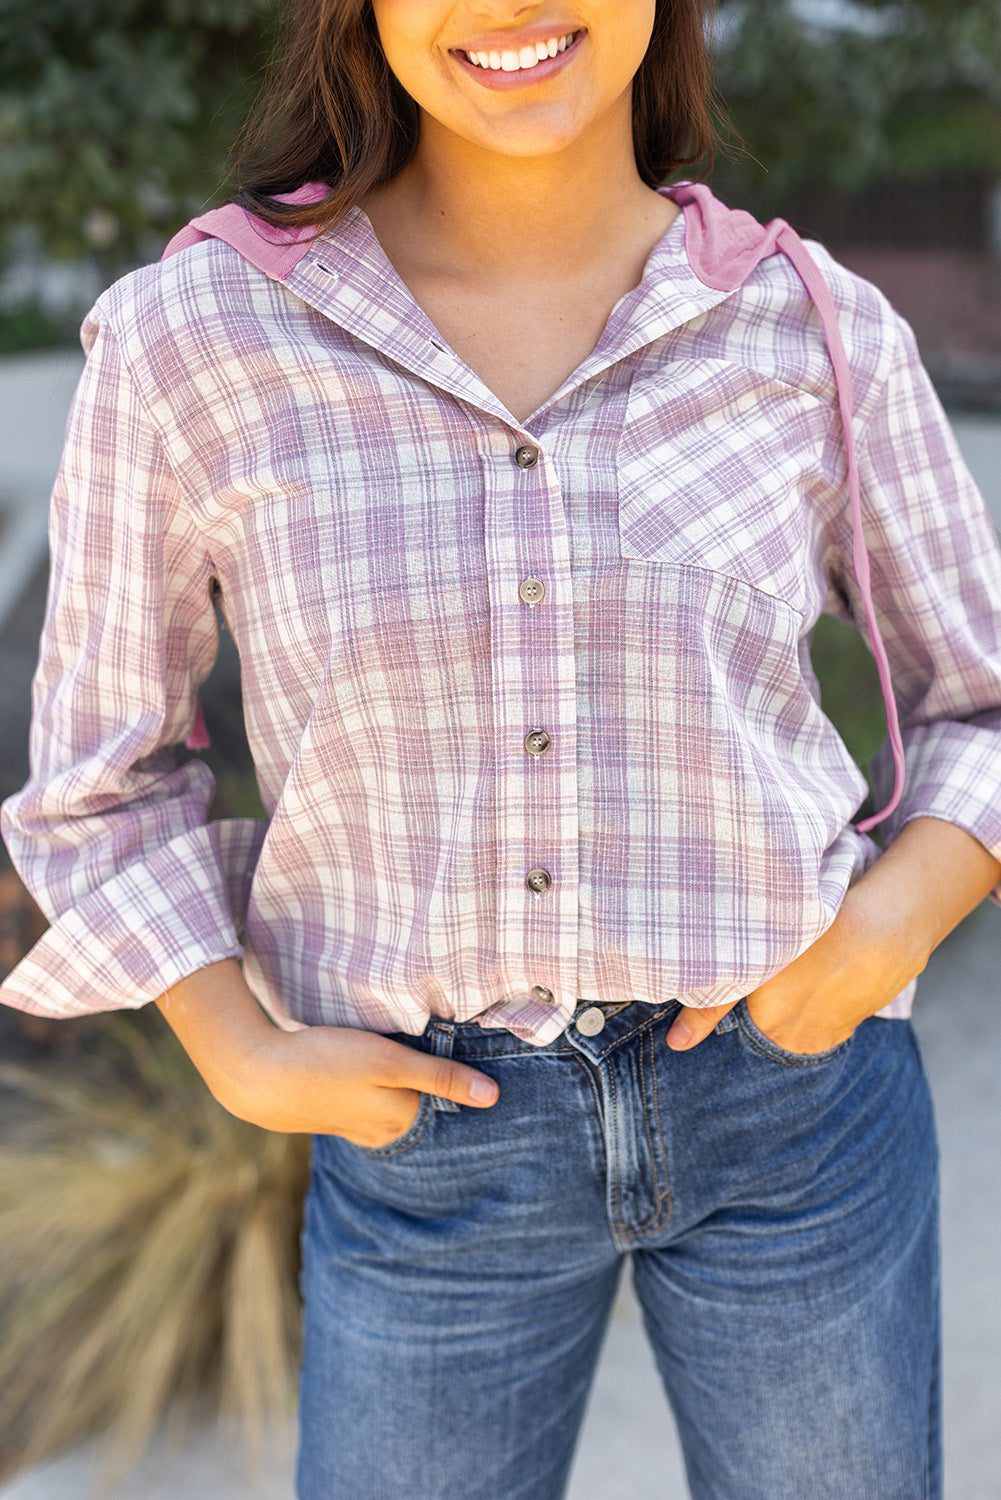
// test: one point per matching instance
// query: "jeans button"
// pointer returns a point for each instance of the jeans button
(590, 1022)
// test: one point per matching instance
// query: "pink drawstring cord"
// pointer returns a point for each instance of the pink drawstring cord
(198, 737)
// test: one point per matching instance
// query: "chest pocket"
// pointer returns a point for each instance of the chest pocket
(724, 478)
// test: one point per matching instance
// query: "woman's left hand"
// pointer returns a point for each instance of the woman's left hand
(820, 998)
(889, 923)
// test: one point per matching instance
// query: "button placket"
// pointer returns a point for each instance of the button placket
(533, 592)
(535, 680)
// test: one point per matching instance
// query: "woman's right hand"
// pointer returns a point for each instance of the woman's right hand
(328, 1080)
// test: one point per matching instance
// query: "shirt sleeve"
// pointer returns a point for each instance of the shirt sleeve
(936, 574)
(110, 832)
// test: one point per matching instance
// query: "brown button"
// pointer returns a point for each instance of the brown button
(538, 881)
(544, 996)
(538, 742)
(532, 591)
(526, 457)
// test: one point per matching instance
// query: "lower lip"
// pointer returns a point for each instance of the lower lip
(524, 77)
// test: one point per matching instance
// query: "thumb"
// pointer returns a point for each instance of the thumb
(692, 1025)
(448, 1080)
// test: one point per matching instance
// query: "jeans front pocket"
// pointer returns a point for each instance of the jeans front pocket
(765, 1047)
(410, 1137)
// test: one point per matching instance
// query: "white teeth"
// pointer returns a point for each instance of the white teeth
(526, 57)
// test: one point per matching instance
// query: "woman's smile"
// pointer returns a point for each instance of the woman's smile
(519, 62)
(566, 68)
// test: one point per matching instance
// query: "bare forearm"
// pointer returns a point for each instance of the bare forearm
(889, 924)
(319, 1079)
(217, 1021)
(928, 880)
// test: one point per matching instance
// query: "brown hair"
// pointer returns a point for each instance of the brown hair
(331, 110)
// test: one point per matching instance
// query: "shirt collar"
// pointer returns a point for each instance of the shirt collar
(348, 278)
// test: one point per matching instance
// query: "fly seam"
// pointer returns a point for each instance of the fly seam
(666, 1193)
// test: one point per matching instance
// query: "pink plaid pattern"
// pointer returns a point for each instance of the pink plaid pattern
(313, 445)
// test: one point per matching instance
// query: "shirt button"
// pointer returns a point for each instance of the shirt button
(590, 1022)
(544, 996)
(526, 457)
(532, 591)
(538, 742)
(538, 881)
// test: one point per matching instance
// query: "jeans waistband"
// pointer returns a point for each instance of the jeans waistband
(467, 1040)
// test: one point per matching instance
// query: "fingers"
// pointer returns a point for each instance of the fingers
(692, 1026)
(444, 1078)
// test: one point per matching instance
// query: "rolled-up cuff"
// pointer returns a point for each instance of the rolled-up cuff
(953, 773)
(149, 926)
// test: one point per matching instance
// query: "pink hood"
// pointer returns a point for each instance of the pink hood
(723, 245)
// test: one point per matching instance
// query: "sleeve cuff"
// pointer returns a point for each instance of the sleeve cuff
(953, 773)
(149, 926)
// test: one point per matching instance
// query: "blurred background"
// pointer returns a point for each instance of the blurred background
(148, 1242)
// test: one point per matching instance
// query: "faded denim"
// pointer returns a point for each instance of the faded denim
(780, 1213)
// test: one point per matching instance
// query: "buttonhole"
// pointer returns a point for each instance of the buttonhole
(322, 266)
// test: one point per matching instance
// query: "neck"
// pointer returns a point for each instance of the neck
(467, 210)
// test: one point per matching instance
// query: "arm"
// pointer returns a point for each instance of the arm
(110, 833)
(936, 571)
(891, 921)
(323, 1079)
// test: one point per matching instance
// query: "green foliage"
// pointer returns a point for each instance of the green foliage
(116, 115)
(849, 687)
(897, 88)
(28, 326)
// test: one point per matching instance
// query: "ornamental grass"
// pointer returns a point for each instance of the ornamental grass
(148, 1254)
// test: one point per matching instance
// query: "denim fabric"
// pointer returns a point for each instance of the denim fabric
(780, 1213)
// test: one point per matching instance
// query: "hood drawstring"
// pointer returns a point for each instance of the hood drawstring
(724, 246)
(791, 245)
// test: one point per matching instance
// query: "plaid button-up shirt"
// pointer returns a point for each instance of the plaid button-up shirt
(420, 586)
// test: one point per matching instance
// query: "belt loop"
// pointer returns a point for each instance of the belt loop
(728, 1022)
(441, 1036)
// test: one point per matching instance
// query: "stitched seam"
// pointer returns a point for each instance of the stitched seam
(648, 1222)
(649, 1021)
(406, 1142)
(491, 1056)
(788, 1059)
(599, 1103)
(618, 1221)
(660, 1135)
(655, 1219)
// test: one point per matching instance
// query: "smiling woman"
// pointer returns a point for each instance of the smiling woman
(524, 57)
(331, 66)
(523, 478)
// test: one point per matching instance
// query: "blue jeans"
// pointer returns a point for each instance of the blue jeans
(780, 1213)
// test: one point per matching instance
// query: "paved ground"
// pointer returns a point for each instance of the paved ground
(628, 1449)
